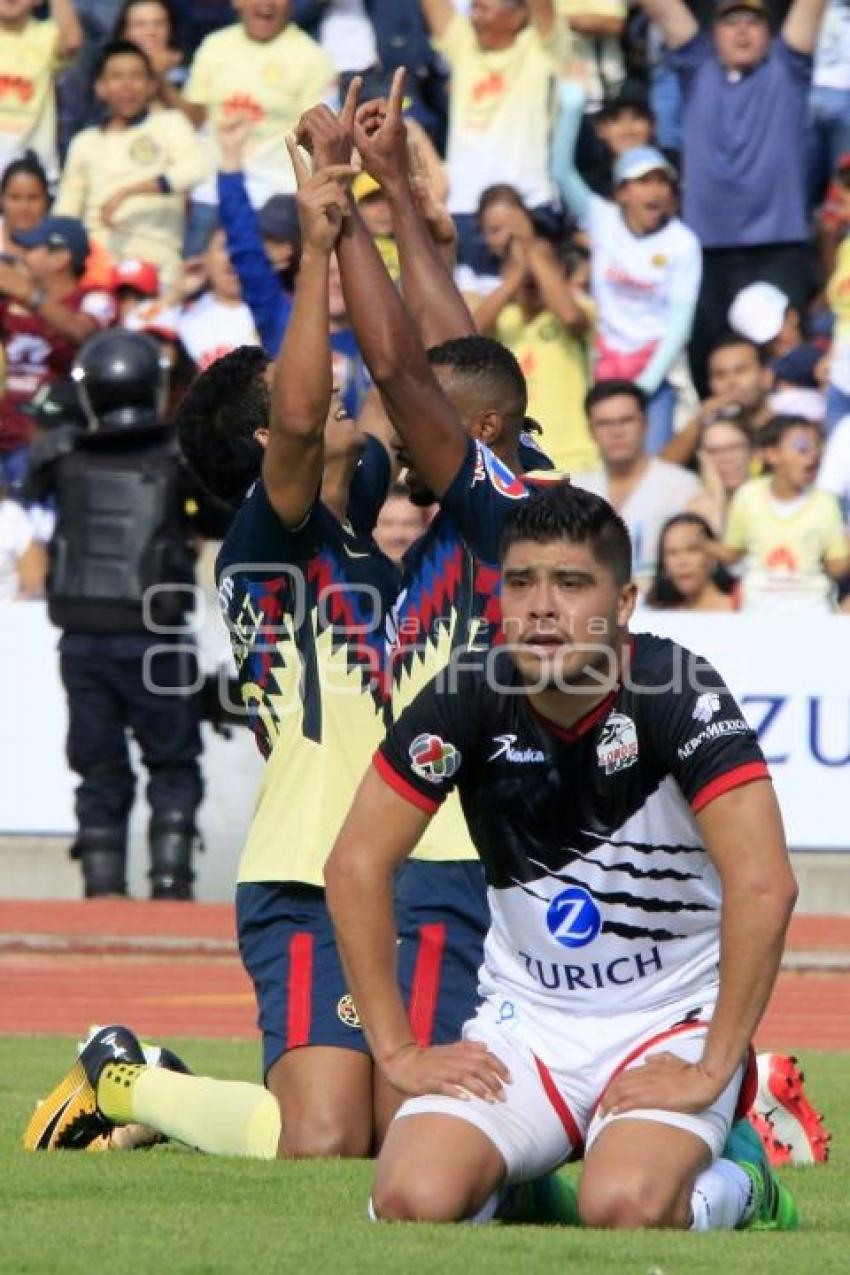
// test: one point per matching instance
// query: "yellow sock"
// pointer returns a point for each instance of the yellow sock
(115, 1090)
(221, 1117)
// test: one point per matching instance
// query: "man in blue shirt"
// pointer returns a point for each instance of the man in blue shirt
(745, 100)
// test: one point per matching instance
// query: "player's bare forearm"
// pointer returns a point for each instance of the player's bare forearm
(379, 832)
(435, 302)
(744, 836)
(302, 384)
(395, 356)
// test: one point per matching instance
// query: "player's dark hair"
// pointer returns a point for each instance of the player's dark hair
(217, 419)
(728, 342)
(120, 49)
(489, 364)
(772, 434)
(614, 387)
(559, 511)
(663, 595)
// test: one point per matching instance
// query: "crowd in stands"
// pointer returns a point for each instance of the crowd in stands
(649, 206)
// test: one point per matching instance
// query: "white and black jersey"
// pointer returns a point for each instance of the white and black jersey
(602, 896)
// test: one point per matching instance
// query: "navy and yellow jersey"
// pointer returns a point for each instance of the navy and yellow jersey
(306, 610)
(449, 601)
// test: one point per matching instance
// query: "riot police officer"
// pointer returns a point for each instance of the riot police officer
(120, 576)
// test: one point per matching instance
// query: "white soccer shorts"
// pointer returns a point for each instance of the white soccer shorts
(550, 1112)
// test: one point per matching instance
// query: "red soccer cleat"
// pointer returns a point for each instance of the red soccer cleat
(778, 1153)
(782, 1102)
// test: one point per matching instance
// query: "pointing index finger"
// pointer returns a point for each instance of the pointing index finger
(349, 106)
(396, 98)
(302, 172)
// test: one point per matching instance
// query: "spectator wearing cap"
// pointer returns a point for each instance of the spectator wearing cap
(645, 267)
(134, 282)
(45, 315)
(377, 216)
(838, 299)
(128, 179)
(266, 290)
(745, 102)
(503, 60)
(763, 314)
(622, 123)
(265, 70)
(31, 52)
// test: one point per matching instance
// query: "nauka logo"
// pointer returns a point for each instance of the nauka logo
(706, 706)
(507, 750)
(617, 748)
(433, 758)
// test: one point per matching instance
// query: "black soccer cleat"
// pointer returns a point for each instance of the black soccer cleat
(68, 1118)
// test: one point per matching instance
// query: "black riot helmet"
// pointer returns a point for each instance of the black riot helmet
(122, 380)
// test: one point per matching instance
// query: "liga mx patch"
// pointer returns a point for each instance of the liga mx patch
(617, 748)
(433, 758)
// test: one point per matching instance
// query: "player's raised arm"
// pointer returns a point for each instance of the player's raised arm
(390, 343)
(380, 831)
(426, 280)
(677, 23)
(302, 384)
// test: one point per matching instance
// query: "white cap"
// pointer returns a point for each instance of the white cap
(808, 404)
(758, 312)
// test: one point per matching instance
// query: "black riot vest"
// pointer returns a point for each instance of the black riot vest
(121, 529)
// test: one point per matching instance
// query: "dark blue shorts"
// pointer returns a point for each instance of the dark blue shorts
(442, 917)
(287, 945)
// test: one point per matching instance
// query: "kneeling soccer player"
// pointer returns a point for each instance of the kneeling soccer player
(639, 888)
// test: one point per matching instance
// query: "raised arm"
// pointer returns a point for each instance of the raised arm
(677, 23)
(302, 384)
(575, 191)
(70, 31)
(801, 27)
(429, 289)
(386, 334)
(543, 16)
(438, 14)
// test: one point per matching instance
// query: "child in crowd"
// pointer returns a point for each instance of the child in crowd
(31, 52)
(546, 320)
(790, 533)
(127, 179)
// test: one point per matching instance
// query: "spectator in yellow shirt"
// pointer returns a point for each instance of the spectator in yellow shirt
(31, 52)
(127, 179)
(503, 61)
(545, 320)
(264, 67)
(791, 534)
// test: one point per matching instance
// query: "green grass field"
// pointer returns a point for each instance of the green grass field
(169, 1211)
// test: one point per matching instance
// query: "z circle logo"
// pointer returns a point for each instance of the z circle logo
(346, 1011)
(573, 919)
